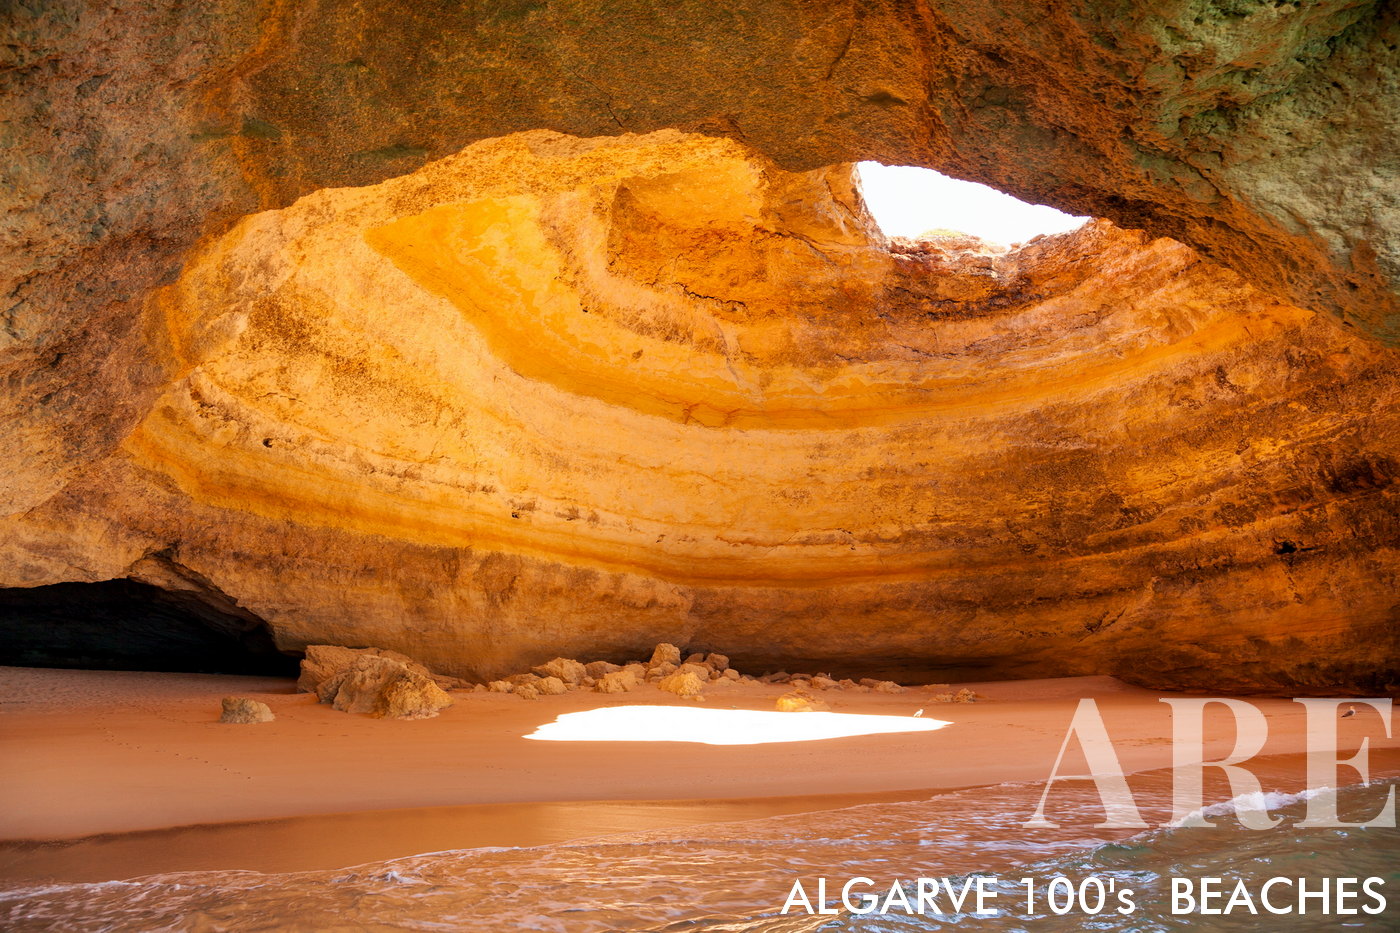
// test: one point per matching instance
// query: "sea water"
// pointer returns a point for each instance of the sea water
(736, 876)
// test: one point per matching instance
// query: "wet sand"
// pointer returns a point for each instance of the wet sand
(113, 775)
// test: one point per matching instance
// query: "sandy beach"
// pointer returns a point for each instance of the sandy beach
(116, 774)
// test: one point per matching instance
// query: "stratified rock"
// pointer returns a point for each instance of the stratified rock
(245, 710)
(579, 393)
(566, 669)
(682, 684)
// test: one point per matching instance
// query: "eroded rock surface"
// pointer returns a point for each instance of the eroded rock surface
(559, 396)
(1264, 133)
(243, 711)
(381, 683)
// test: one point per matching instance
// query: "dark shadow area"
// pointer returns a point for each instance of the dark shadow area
(130, 626)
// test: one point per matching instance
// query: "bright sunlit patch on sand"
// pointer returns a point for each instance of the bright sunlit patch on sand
(909, 201)
(719, 726)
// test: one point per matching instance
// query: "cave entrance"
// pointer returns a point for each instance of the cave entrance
(920, 203)
(126, 625)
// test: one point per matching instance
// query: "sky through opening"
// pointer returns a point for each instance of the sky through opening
(907, 201)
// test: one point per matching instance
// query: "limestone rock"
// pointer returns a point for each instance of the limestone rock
(700, 393)
(411, 697)
(597, 669)
(245, 710)
(798, 701)
(551, 686)
(665, 654)
(718, 662)
(616, 682)
(383, 687)
(323, 662)
(887, 686)
(824, 683)
(526, 691)
(699, 670)
(658, 671)
(963, 695)
(567, 670)
(731, 675)
(682, 684)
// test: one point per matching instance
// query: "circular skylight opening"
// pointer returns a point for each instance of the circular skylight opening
(919, 202)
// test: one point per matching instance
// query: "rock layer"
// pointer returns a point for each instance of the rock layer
(558, 396)
(1263, 133)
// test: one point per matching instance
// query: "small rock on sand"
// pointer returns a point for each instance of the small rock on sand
(699, 670)
(410, 698)
(566, 669)
(245, 710)
(616, 682)
(660, 671)
(527, 692)
(665, 654)
(597, 669)
(682, 684)
(551, 687)
(385, 687)
(799, 702)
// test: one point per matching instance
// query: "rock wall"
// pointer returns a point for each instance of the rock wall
(574, 396)
(1263, 133)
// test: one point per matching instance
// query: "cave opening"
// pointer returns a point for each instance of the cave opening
(919, 203)
(128, 625)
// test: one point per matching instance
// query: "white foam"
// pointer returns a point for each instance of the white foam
(1259, 801)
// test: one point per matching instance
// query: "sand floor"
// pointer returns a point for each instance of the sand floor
(136, 768)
